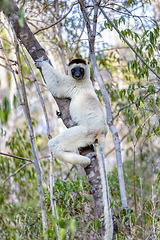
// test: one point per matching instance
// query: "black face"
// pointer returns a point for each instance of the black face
(77, 72)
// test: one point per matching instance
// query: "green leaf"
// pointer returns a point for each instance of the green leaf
(97, 224)
(62, 233)
(15, 102)
(129, 211)
(138, 132)
(137, 103)
(107, 25)
(21, 17)
(157, 100)
(115, 22)
(149, 124)
(5, 110)
(62, 223)
(5, 5)
(72, 227)
(158, 177)
(144, 33)
(151, 38)
(72, 224)
(128, 65)
(122, 19)
(132, 219)
(136, 36)
(120, 93)
(150, 50)
(6, 105)
(136, 120)
(151, 89)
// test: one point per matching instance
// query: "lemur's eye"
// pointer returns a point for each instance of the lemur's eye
(72, 70)
(82, 70)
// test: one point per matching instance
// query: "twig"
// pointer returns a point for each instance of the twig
(10, 60)
(127, 42)
(70, 170)
(14, 156)
(77, 42)
(8, 69)
(59, 33)
(19, 169)
(130, 104)
(120, 141)
(53, 24)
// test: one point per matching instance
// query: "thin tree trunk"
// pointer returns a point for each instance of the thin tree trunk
(24, 102)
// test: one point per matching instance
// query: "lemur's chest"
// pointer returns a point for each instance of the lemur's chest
(84, 107)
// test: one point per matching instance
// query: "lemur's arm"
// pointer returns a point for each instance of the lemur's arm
(58, 83)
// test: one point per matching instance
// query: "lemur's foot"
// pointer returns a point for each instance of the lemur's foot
(91, 156)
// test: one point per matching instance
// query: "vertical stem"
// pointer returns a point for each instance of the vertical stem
(34, 149)
(32, 138)
(154, 206)
(52, 198)
(135, 200)
(51, 185)
(62, 54)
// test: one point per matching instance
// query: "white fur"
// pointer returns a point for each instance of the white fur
(86, 111)
(106, 200)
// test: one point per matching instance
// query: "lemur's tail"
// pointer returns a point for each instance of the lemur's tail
(105, 189)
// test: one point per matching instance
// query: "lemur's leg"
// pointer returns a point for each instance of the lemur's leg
(64, 145)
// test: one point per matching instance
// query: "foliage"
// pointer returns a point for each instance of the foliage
(23, 221)
(72, 203)
(147, 201)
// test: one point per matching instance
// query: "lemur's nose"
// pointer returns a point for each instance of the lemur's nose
(77, 73)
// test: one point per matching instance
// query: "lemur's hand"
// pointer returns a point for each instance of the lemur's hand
(39, 63)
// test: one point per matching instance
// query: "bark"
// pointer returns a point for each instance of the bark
(37, 52)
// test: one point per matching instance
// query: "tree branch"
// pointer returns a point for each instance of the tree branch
(18, 170)
(14, 156)
(126, 41)
(53, 24)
